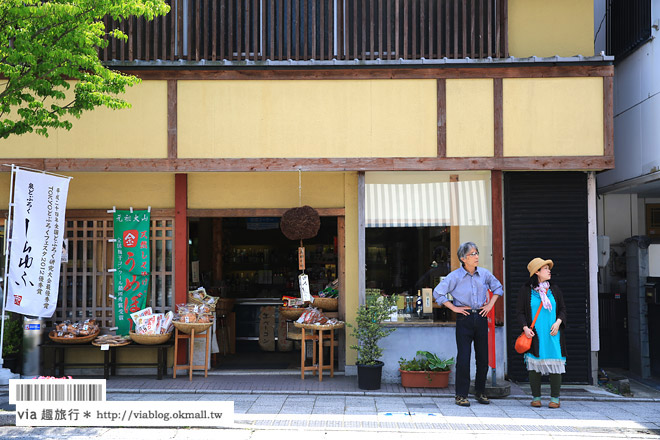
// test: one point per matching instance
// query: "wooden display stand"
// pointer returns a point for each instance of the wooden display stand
(180, 336)
(318, 341)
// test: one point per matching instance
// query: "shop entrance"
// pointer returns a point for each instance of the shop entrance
(251, 266)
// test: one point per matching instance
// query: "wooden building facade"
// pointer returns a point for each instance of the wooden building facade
(248, 108)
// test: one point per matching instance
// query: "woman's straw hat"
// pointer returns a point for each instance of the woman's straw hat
(538, 263)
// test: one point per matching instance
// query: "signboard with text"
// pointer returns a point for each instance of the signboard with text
(132, 265)
(35, 249)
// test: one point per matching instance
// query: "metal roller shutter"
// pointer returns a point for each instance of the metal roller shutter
(545, 215)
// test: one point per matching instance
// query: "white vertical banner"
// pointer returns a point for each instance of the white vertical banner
(35, 249)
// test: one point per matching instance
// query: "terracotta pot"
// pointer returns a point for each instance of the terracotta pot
(424, 379)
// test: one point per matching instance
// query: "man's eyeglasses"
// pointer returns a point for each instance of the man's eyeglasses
(473, 254)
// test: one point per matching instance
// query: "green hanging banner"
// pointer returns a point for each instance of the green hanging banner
(132, 266)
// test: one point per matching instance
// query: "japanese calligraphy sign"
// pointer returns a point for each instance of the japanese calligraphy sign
(132, 265)
(35, 249)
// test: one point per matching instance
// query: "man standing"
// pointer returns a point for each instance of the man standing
(465, 291)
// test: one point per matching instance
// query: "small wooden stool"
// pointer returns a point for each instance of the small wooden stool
(180, 336)
(318, 341)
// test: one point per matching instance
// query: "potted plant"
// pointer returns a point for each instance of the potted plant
(12, 343)
(425, 370)
(368, 331)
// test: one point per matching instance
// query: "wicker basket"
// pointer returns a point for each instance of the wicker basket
(319, 326)
(291, 313)
(150, 339)
(193, 300)
(188, 327)
(326, 304)
(77, 340)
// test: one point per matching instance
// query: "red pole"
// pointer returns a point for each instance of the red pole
(491, 335)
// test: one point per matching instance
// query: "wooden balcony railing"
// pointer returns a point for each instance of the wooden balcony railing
(303, 30)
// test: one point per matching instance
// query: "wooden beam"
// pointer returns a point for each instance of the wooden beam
(497, 237)
(181, 238)
(172, 119)
(181, 244)
(257, 212)
(498, 116)
(442, 117)
(319, 164)
(454, 230)
(602, 69)
(608, 116)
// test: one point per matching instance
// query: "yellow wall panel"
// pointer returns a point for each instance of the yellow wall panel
(546, 28)
(553, 117)
(264, 190)
(255, 119)
(123, 190)
(138, 132)
(470, 127)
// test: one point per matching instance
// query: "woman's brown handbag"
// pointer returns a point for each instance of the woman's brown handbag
(523, 343)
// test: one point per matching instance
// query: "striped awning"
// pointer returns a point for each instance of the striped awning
(426, 204)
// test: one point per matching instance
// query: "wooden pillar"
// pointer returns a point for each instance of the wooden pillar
(454, 228)
(181, 243)
(497, 238)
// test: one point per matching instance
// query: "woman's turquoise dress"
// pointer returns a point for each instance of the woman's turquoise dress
(550, 360)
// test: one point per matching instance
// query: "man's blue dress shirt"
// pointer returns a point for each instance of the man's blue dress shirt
(467, 290)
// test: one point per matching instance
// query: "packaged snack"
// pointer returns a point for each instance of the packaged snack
(143, 312)
(167, 326)
(149, 324)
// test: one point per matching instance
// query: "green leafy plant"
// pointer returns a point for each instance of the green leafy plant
(368, 329)
(13, 337)
(49, 47)
(425, 361)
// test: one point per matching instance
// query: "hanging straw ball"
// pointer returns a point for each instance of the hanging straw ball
(300, 223)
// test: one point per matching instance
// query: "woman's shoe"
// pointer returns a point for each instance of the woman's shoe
(553, 404)
(536, 403)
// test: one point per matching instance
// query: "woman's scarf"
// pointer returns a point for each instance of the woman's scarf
(542, 289)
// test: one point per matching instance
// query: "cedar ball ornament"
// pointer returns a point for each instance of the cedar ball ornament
(300, 223)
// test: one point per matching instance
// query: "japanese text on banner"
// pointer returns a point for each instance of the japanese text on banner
(132, 264)
(36, 236)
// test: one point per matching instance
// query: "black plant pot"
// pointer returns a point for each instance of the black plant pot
(13, 363)
(369, 376)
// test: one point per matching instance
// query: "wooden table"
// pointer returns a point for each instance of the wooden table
(109, 363)
(180, 336)
(325, 333)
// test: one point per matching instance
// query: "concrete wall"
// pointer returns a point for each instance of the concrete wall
(636, 109)
(406, 341)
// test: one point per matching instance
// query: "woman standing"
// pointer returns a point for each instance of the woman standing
(548, 353)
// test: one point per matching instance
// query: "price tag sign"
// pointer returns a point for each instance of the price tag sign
(303, 281)
(301, 258)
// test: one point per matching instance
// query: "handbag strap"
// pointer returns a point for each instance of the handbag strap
(537, 315)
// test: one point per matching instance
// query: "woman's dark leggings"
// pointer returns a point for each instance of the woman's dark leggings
(535, 384)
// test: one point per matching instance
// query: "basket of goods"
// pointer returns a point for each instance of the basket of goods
(313, 318)
(200, 296)
(111, 340)
(291, 313)
(191, 317)
(328, 298)
(293, 307)
(75, 333)
(152, 328)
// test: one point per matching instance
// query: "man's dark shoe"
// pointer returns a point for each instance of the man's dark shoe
(462, 401)
(481, 398)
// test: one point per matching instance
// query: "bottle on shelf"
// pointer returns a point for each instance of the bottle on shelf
(420, 304)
